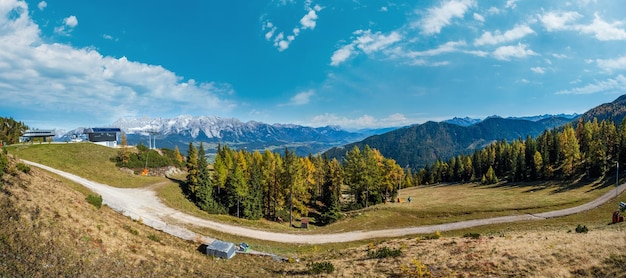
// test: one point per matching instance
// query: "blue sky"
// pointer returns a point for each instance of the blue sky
(357, 64)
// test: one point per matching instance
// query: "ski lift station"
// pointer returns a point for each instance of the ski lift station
(103, 136)
(31, 134)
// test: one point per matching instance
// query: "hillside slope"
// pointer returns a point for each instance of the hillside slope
(418, 145)
(47, 229)
(615, 111)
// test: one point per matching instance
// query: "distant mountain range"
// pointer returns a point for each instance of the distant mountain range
(418, 145)
(467, 121)
(211, 130)
(412, 145)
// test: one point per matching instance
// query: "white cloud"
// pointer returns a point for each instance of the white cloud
(68, 25)
(538, 70)
(511, 4)
(507, 52)
(364, 121)
(516, 33)
(599, 28)
(370, 42)
(367, 42)
(42, 5)
(270, 33)
(438, 17)
(610, 65)
(384, 9)
(556, 21)
(302, 98)
(280, 39)
(308, 20)
(617, 84)
(493, 10)
(479, 17)
(46, 76)
(109, 37)
(444, 48)
(70, 21)
(603, 30)
(342, 54)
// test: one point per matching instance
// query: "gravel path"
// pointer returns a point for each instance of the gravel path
(142, 203)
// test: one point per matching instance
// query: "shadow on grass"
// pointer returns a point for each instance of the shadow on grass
(557, 186)
(182, 184)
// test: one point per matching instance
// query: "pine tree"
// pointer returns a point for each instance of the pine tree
(569, 151)
(333, 179)
(123, 155)
(204, 193)
(255, 187)
(177, 156)
(193, 180)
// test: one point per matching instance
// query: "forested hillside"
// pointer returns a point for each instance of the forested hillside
(614, 111)
(11, 130)
(589, 149)
(418, 145)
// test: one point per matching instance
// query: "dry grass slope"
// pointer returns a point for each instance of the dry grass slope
(48, 229)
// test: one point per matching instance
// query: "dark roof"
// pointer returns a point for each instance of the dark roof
(102, 129)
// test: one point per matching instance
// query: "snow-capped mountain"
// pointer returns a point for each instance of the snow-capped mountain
(211, 130)
(216, 129)
(467, 121)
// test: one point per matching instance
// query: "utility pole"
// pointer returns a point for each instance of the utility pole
(616, 184)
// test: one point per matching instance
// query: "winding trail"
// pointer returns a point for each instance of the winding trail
(142, 203)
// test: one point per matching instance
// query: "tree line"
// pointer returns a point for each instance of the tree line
(284, 186)
(11, 130)
(592, 148)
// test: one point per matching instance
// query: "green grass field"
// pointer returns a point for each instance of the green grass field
(82, 159)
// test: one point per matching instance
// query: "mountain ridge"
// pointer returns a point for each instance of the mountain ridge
(418, 145)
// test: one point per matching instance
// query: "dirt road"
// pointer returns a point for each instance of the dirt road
(142, 203)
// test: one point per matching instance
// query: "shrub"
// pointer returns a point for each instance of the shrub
(436, 235)
(23, 168)
(131, 230)
(319, 268)
(95, 200)
(384, 252)
(581, 229)
(154, 237)
(420, 270)
(472, 235)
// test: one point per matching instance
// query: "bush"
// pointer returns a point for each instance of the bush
(154, 237)
(581, 229)
(418, 270)
(472, 235)
(384, 252)
(436, 235)
(131, 230)
(95, 200)
(23, 168)
(319, 268)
